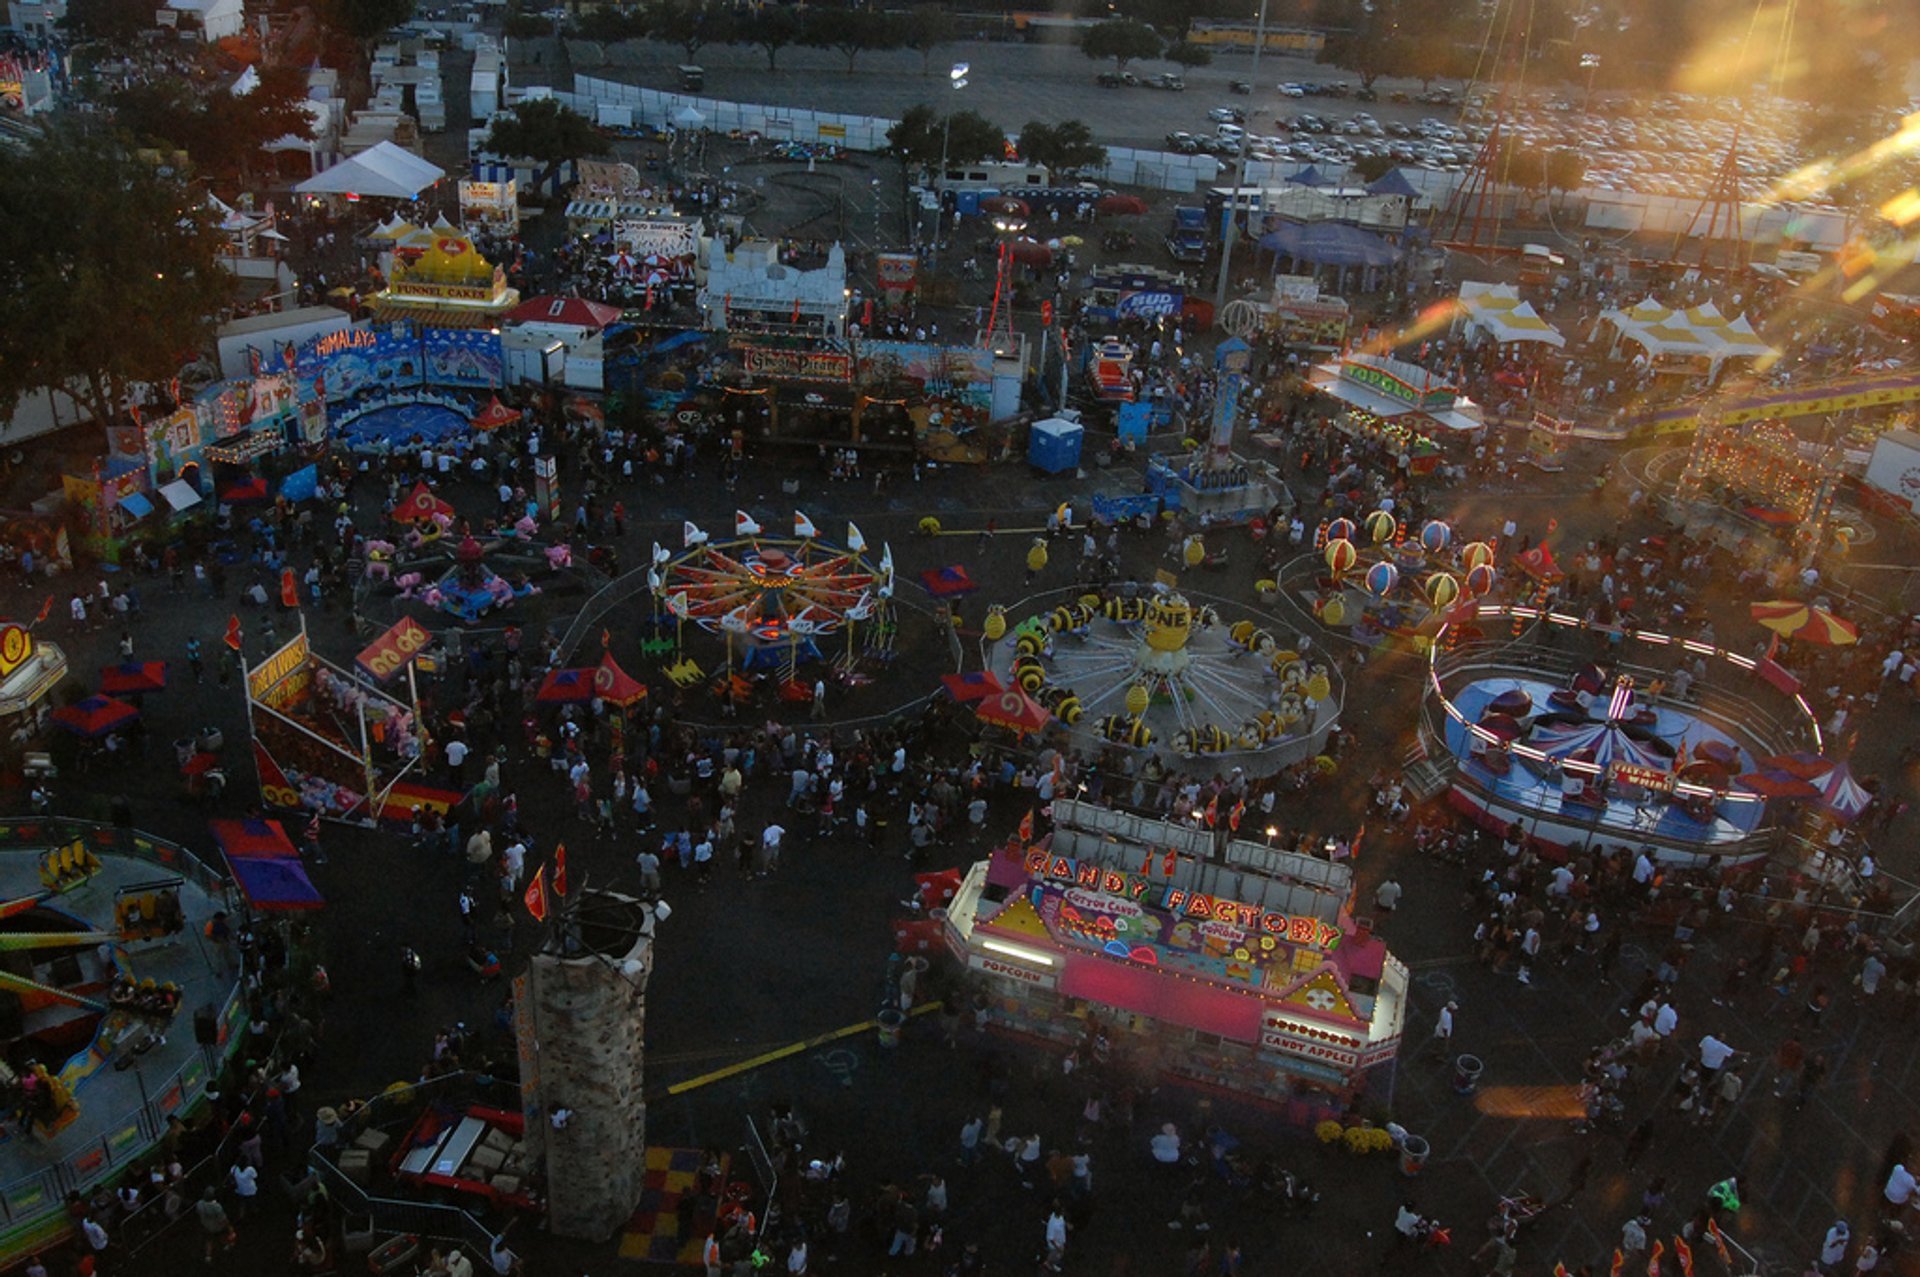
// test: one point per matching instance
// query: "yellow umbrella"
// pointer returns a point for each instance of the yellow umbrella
(1072, 241)
(1804, 623)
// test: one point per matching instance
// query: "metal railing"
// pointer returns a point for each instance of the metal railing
(56, 831)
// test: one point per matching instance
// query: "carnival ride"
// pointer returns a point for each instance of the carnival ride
(1161, 674)
(772, 599)
(1576, 747)
(1381, 580)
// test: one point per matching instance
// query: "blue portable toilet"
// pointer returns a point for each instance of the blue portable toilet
(1054, 445)
(1134, 419)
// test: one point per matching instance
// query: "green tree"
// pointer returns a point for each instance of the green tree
(771, 29)
(1364, 41)
(225, 133)
(521, 25)
(108, 271)
(926, 30)
(849, 32)
(1065, 148)
(692, 24)
(1565, 169)
(604, 24)
(1371, 168)
(542, 129)
(113, 21)
(1189, 55)
(1123, 40)
(918, 136)
(364, 21)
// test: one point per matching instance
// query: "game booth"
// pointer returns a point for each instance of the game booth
(1575, 740)
(1244, 970)
(1398, 405)
(29, 669)
(331, 740)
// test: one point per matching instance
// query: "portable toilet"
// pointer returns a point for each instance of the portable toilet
(1054, 446)
(1134, 420)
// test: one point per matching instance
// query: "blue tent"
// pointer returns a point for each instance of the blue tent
(1310, 176)
(1393, 182)
(1330, 244)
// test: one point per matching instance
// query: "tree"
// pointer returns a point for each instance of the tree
(1566, 169)
(1371, 168)
(226, 133)
(918, 137)
(1364, 42)
(926, 30)
(849, 31)
(1067, 147)
(1188, 55)
(604, 24)
(692, 24)
(108, 271)
(112, 21)
(521, 25)
(1123, 40)
(544, 130)
(772, 28)
(364, 21)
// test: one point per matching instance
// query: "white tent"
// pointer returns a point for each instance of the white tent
(383, 170)
(1496, 311)
(1702, 334)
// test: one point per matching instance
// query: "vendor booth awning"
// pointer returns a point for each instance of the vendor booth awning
(615, 686)
(134, 677)
(383, 170)
(564, 687)
(135, 504)
(1330, 244)
(265, 865)
(251, 838)
(181, 495)
(95, 716)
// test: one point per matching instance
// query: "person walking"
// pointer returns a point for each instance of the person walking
(1442, 1030)
(1833, 1248)
(215, 1228)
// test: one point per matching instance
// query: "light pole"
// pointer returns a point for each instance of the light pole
(1239, 179)
(957, 78)
(1590, 63)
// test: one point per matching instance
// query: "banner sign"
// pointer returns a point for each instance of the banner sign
(389, 654)
(797, 365)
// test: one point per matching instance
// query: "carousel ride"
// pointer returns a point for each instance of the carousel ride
(774, 599)
(1380, 580)
(1582, 749)
(1161, 674)
(416, 567)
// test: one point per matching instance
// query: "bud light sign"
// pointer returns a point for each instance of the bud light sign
(1146, 305)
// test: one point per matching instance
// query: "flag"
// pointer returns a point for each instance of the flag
(1168, 862)
(289, 588)
(1619, 1262)
(536, 897)
(1026, 827)
(1684, 1253)
(560, 869)
(1653, 1258)
(855, 541)
(46, 606)
(660, 555)
(691, 536)
(886, 561)
(1213, 812)
(677, 604)
(1560, 1270)
(1233, 818)
(743, 524)
(1719, 1242)
(1146, 866)
(803, 527)
(233, 631)
(606, 638)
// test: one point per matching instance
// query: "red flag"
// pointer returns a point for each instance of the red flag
(1026, 827)
(1684, 1253)
(560, 870)
(1146, 866)
(606, 637)
(1619, 1262)
(289, 588)
(536, 897)
(45, 608)
(1653, 1258)
(233, 631)
(1560, 1270)
(1233, 817)
(1213, 811)
(1719, 1242)
(1167, 863)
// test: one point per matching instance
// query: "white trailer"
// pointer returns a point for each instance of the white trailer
(1894, 468)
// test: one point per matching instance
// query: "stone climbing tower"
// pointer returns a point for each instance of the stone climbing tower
(580, 1014)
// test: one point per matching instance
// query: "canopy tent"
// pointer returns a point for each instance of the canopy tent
(1842, 795)
(1310, 176)
(252, 839)
(1496, 311)
(564, 687)
(1330, 244)
(1701, 333)
(134, 677)
(275, 884)
(972, 687)
(1014, 709)
(181, 495)
(395, 229)
(1393, 182)
(494, 416)
(615, 686)
(420, 504)
(95, 716)
(383, 170)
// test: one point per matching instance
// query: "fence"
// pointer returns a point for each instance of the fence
(397, 1108)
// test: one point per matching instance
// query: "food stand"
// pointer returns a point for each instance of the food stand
(1398, 405)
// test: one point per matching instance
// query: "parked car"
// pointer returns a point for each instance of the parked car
(1116, 79)
(1292, 89)
(1167, 80)
(1227, 115)
(1239, 86)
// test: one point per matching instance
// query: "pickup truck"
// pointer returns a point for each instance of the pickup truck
(1187, 234)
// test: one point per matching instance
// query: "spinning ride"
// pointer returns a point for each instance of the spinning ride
(1164, 675)
(773, 598)
(1382, 580)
